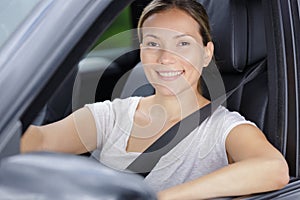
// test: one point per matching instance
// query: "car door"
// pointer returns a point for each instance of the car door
(42, 49)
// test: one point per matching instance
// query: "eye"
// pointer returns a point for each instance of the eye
(184, 44)
(152, 44)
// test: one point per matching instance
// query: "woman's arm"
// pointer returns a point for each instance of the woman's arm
(257, 167)
(74, 134)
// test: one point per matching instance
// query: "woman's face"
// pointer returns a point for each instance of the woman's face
(172, 52)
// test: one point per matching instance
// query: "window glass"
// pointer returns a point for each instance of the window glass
(118, 27)
(299, 7)
(116, 41)
(12, 13)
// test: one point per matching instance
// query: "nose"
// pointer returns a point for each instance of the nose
(166, 57)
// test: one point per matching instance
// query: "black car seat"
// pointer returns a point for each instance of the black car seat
(238, 32)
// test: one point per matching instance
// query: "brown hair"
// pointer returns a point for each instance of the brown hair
(191, 7)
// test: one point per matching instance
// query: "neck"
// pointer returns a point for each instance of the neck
(177, 107)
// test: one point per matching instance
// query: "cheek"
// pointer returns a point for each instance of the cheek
(192, 70)
(148, 56)
(143, 54)
(194, 60)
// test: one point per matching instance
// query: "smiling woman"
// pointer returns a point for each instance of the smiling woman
(168, 54)
(212, 159)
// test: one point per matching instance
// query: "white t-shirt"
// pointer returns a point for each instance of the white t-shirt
(201, 152)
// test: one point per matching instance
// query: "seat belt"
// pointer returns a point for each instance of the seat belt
(146, 161)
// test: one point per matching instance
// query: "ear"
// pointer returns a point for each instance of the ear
(209, 52)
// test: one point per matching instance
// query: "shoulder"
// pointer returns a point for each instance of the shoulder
(117, 105)
(111, 114)
(223, 121)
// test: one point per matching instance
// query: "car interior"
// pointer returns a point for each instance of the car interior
(237, 48)
(241, 44)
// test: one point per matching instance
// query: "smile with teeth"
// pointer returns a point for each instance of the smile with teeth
(170, 74)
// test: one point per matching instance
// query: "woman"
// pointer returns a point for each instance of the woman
(225, 156)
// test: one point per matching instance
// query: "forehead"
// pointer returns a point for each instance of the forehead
(173, 20)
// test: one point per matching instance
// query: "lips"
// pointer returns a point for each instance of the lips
(170, 75)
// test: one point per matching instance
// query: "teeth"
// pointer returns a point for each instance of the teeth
(170, 74)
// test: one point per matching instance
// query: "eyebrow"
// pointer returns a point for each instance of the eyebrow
(184, 35)
(177, 36)
(151, 35)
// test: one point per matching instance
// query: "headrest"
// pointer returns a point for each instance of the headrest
(238, 32)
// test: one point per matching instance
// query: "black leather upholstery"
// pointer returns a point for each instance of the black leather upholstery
(107, 84)
(239, 36)
(238, 32)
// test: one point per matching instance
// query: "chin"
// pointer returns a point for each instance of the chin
(164, 91)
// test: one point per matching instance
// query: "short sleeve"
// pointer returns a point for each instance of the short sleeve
(216, 130)
(104, 119)
(230, 120)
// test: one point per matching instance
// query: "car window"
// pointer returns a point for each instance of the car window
(121, 23)
(12, 13)
(299, 7)
(116, 41)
